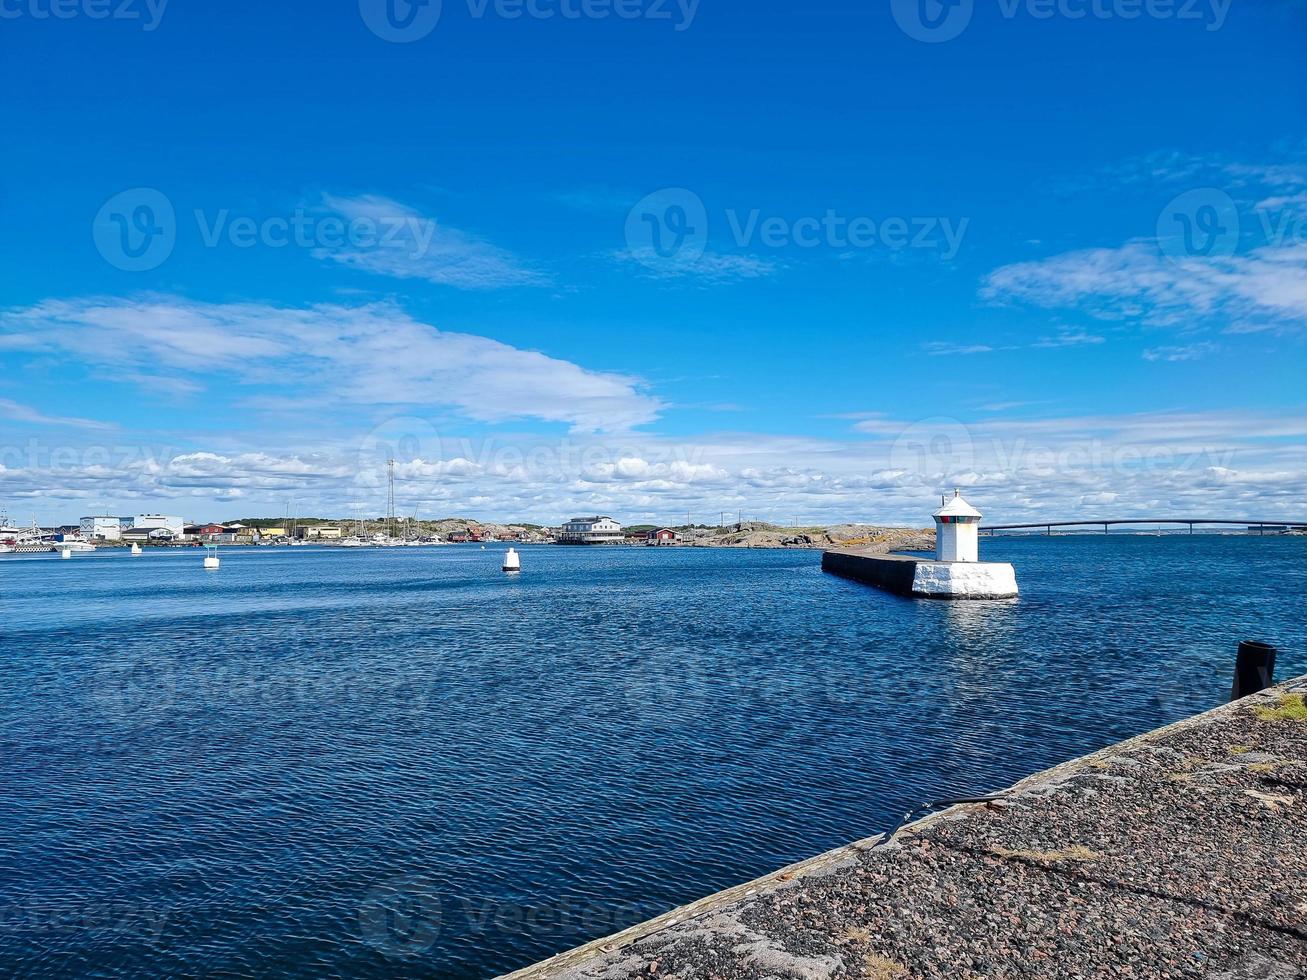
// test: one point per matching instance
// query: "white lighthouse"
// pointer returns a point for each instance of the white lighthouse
(957, 527)
(956, 571)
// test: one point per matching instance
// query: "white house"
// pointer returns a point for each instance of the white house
(591, 530)
(102, 528)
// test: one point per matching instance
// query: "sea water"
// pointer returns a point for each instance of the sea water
(369, 763)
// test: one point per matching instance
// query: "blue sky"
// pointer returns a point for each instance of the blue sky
(811, 264)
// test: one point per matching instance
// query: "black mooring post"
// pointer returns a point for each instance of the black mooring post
(1254, 669)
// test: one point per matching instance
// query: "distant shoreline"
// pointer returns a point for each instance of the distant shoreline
(868, 538)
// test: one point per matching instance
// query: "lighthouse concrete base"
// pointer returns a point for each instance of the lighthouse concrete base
(964, 580)
(923, 577)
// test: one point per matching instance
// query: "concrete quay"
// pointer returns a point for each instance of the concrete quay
(1180, 853)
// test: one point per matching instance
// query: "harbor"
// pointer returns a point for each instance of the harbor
(650, 490)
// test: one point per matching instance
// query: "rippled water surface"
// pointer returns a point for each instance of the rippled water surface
(370, 763)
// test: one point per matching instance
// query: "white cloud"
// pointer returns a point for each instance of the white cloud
(1174, 168)
(1262, 286)
(363, 355)
(1100, 498)
(1069, 338)
(636, 470)
(1183, 352)
(939, 348)
(1241, 464)
(1006, 406)
(25, 413)
(409, 245)
(1290, 202)
(712, 268)
(1136, 282)
(1140, 428)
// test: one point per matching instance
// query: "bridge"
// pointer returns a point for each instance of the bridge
(1261, 527)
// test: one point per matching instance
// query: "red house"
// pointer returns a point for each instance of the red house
(664, 535)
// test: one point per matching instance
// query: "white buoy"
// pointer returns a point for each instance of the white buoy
(512, 561)
(210, 562)
(136, 548)
(211, 559)
(66, 553)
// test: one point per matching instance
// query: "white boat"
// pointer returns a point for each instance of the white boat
(9, 535)
(30, 542)
(26, 544)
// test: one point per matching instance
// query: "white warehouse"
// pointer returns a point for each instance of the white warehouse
(174, 524)
(102, 528)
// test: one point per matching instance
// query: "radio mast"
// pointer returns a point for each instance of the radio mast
(390, 499)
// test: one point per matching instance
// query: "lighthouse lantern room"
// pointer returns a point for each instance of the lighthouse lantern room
(957, 526)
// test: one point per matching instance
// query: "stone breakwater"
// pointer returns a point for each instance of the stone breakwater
(1176, 854)
(922, 577)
